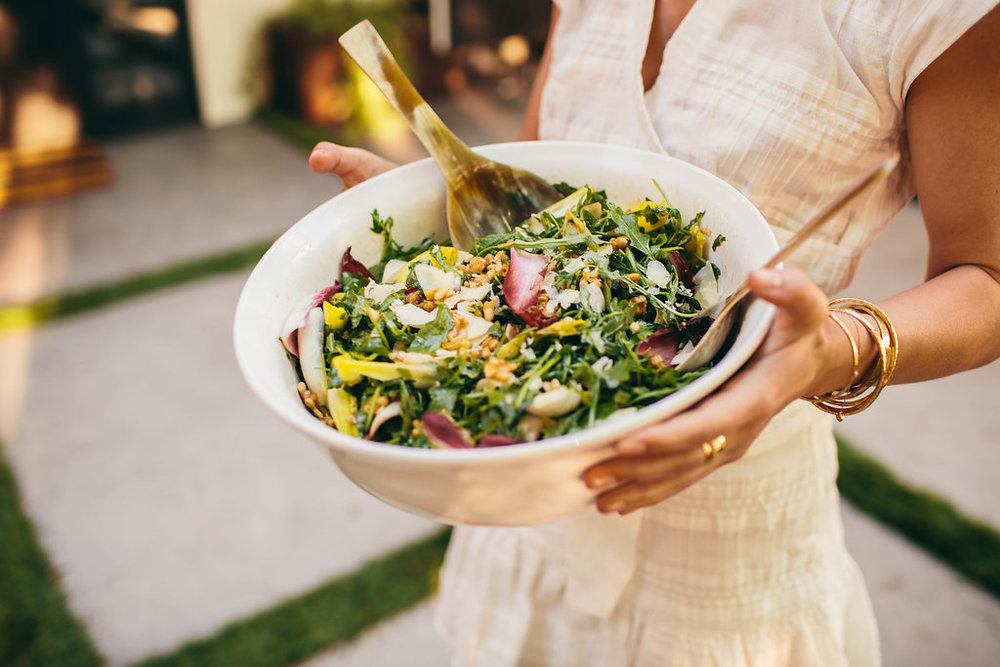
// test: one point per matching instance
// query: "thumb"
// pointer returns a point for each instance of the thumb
(352, 165)
(802, 305)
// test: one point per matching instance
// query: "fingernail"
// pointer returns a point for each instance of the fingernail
(631, 447)
(600, 481)
(612, 506)
(769, 278)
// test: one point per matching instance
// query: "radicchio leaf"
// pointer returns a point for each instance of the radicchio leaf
(662, 344)
(383, 415)
(496, 440)
(696, 328)
(522, 284)
(682, 268)
(325, 294)
(297, 318)
(350, 265)
(443, 432)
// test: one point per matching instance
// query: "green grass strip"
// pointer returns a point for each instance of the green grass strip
(335, 612)
(969, 547)
(73, 302)
(36, 627)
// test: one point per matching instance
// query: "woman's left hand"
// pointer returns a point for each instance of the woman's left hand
(796, 358)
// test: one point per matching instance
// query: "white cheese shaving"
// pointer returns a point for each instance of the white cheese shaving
(378, 292)
(568, 297)
(411, 315)
(433, 278)
(595, 298)
(657, 273)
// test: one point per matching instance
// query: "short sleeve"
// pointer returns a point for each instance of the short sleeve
(913, 34)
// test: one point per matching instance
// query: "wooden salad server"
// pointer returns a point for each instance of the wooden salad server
(483, 196)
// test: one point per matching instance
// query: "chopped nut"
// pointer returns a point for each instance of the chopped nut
(640, 304)
(477, 264)
(619, 242)
(498, 369)
(478, 280)
(590, 276)
(438, 293)
(309, 400)
(634, 277)
(413, 297)
(488, 311)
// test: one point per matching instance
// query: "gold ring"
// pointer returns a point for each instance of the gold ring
(713, 447)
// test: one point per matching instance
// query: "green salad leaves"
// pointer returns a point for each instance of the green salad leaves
(575, 316)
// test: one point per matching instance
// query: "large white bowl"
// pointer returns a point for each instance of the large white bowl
(518, 484)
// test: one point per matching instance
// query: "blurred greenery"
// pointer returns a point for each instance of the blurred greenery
(337, 611)
(36, 627)
(970, 547)
(70, 303)
(324, 18)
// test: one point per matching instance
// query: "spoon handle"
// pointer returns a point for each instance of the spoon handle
(818, 221)
(365, 46)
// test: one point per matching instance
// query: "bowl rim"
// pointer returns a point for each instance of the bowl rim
(592, 437)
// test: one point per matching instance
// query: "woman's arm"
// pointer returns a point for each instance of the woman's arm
(529, 127)
(951, 323)
(948, 324)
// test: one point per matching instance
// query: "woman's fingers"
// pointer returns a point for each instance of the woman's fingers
(351, 165)
(614, 471)
(658, 461)
(643, 493)
(801, 303)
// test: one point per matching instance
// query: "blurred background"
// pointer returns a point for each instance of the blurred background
(151, 511)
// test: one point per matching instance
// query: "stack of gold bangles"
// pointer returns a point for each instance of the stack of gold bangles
(861, 392)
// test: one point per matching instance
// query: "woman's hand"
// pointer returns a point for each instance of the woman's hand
(800, 355)
(352, 165)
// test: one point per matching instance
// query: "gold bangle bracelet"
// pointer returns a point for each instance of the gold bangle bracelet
(855, 353)
(862, 392)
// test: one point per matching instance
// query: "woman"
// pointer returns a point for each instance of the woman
(793, 104)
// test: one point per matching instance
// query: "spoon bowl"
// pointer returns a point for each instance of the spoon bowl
(483, 196)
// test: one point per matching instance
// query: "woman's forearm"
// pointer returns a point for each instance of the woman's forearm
(529, 128)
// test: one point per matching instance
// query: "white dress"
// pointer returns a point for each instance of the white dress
(792, 103)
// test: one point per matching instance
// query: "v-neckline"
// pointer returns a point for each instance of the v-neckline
(666, 45)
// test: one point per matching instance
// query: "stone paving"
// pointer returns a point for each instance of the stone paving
(172, 502)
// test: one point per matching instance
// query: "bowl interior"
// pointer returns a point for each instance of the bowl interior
(307, 256)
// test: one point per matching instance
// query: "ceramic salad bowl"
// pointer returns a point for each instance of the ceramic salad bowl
(520, 484)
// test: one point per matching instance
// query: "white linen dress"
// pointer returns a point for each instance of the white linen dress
(792, 102)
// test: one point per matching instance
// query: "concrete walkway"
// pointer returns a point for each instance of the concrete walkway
(172, 502)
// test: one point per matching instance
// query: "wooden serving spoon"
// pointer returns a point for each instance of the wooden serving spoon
(483, 196)
(724, 326)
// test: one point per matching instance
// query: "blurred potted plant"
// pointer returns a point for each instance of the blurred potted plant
(309, 73)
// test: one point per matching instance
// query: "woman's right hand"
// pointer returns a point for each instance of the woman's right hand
(351, 165)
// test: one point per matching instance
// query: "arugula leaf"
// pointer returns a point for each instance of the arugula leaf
(625, 223)
(433, 334)
(443, 398)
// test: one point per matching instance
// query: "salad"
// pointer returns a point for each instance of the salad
(579, 314)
